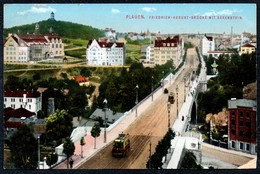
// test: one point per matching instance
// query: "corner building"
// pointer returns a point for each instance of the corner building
(242, 125)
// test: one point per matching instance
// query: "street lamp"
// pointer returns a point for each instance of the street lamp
(169, 110)
(184, 88)
(177, 98)
(105, 133)
(38, 152)
(136, 99)
(152, 88)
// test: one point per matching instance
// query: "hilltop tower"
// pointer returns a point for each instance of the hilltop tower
(52, 16)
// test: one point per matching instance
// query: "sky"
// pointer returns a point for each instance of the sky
(167, 18)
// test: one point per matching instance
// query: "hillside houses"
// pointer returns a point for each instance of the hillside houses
(30, 100)
(105, 53)
(163, 50)
(22, 48)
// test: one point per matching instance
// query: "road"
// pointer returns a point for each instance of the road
(151, 126)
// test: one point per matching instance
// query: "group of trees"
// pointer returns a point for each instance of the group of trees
(121, 90)
(161, 150)
(24, 149)
(64, 29)
(189, 161)
(233, 74)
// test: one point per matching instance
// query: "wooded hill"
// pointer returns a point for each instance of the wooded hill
(65, 29)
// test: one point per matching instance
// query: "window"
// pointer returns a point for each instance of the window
(248, 124)
(247, 115)
(233, 144)
(30, 107)
(233, 132)
(233, 122)
(241, 146)
(12, 99)
(241, 114)
(232, 113)
(5, 99)
(247, 147)
(241, 123)
(241, 133)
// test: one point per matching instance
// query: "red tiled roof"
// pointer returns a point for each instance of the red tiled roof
(52, 36)
(164, 43)
(248, 45)
(19, 93)
(33, 38)
(107, 44)
(13, 124)
(80, 79)
(18, 113)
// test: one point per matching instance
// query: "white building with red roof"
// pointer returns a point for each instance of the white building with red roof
(20, 48)
(208, 44)
(105, 53)
(30, 100)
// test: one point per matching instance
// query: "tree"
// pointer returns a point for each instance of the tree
(52, 158)
(12, 82)
(82, 143)
(23, 146)
(58, 125)
(68, 149)
(189, 162)
(95, 132)
(85, 72)
(36, 76)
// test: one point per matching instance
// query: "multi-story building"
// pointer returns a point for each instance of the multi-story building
(30, 100)
(20, 48)
(208, 44)
(105, 53)
(247, 49)
(163, 50)
(242, 125)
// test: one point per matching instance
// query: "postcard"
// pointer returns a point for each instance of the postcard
(161, 86)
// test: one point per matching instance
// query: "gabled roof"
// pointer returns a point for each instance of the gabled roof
(248, 45)
(209, 38)
(106, 44)
(18, 113)
(29, 38)
(19, 93)
(80, 79)
(167, 42)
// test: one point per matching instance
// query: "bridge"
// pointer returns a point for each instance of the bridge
(182, 141)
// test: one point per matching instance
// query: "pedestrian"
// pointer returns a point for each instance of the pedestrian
(71, 163)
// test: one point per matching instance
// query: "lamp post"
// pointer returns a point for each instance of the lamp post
(38, 151)
(105, 133)
(169, 110)
(152, 88)
(184, 88)
(136, 99)
(177, 99)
